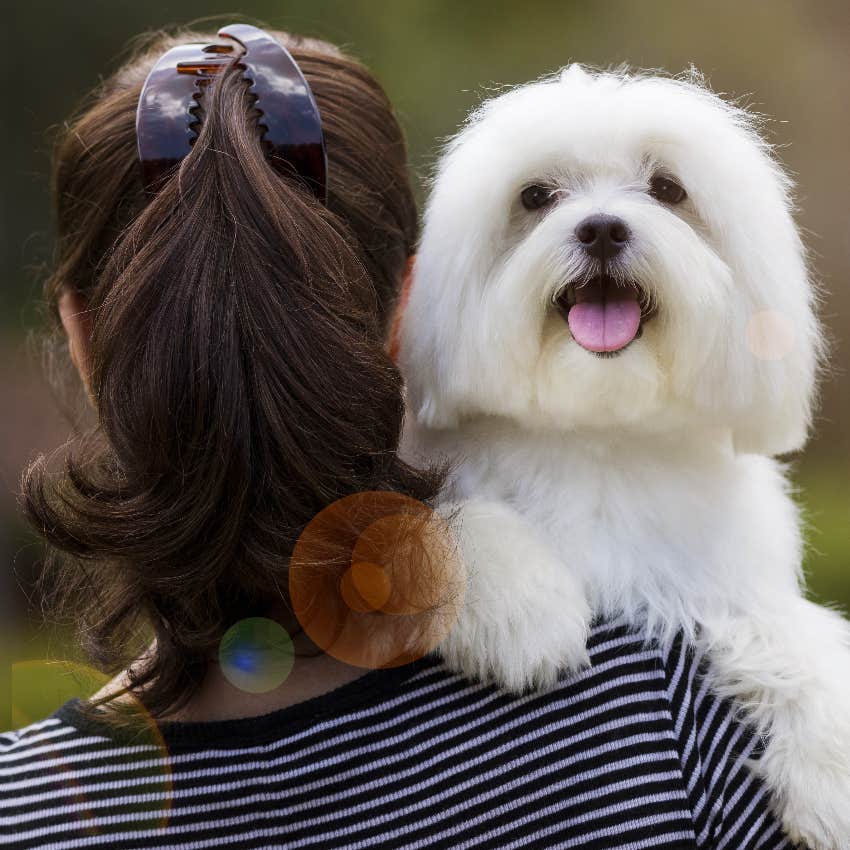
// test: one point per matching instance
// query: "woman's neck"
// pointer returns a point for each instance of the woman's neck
(313, 673)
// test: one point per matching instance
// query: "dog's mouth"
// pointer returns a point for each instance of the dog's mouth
(604, 315)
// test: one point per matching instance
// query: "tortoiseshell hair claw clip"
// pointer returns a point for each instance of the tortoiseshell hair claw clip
(166, 126)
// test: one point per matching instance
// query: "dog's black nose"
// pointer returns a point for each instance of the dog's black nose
(603, 236)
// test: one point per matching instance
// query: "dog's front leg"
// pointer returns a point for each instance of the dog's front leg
(525, 616)
(789, 666)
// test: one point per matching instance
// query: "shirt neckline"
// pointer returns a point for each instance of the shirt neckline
(247, 731)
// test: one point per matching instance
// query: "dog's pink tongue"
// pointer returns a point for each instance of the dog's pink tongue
(605, 318)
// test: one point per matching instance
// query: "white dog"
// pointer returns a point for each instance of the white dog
(610, 329)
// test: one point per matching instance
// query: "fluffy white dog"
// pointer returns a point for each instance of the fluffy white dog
(610, 329)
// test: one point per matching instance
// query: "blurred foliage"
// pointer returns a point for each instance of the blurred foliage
(40, 686)
(788, 58)
(825, 497)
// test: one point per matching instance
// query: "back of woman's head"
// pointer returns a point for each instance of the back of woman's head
(237, 360)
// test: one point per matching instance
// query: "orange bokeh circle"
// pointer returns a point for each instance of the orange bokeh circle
(375, 579)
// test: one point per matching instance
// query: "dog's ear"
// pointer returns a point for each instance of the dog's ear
(784, 384)
(778, 345)
(423, 349)
(759, 343)
(427, 408)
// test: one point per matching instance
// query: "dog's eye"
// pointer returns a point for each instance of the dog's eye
(535, 197)
(666, 190)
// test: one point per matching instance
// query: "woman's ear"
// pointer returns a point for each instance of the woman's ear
(394, 340)
(73, 311)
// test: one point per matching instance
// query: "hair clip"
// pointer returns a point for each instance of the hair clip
(166, 124)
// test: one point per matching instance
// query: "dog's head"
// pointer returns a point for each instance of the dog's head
(613, 250)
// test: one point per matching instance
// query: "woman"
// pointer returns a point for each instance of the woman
(229, 329)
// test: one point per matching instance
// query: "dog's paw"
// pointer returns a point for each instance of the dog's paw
(787, 665)
(520, 649)
(809, 773)
(525, 616)
(816, 812)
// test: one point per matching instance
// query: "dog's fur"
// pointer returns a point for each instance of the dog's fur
(640, 484)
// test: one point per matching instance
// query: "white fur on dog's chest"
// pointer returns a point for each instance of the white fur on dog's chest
(664, 529)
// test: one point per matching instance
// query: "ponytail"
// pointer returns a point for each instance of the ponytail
(241, 384)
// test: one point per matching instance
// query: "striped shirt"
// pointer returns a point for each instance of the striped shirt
(634, 752)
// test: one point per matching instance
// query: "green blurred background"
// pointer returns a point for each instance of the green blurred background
(791, 60)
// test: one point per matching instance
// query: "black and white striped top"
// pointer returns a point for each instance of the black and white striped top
(633, 753)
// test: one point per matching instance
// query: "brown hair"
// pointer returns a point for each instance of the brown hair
(238, 365)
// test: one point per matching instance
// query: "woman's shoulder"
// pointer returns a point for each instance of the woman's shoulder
(634, 745)
(24, 739)
(716, 748)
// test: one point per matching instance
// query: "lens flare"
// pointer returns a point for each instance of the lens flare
(375, 580)
(41, 687)
(771, 335)
(256, 655)
(365, 587)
